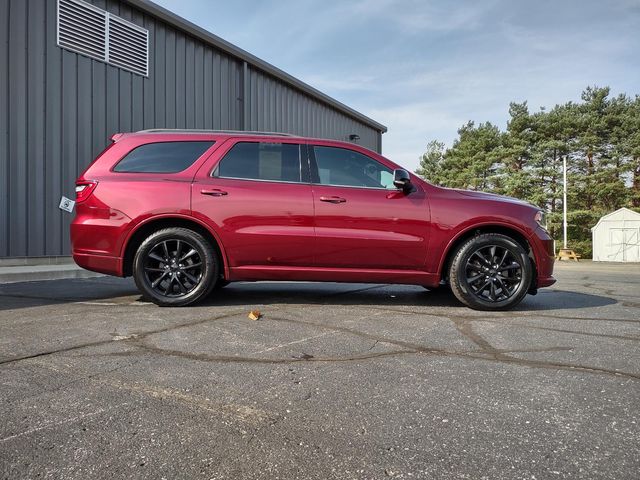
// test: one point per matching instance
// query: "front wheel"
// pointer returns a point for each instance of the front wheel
(175, 267)
(490, 272)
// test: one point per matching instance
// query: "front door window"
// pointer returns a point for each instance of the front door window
(347, 168)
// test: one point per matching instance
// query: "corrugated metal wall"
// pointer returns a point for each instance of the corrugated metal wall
(275, 107)
(58, 110)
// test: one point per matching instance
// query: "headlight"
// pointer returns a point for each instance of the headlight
(541, 219)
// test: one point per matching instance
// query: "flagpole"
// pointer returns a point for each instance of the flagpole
(564, 201)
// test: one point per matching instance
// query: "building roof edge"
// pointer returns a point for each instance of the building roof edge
(192, 29)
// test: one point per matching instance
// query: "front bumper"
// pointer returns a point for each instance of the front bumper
(545, 281)
(542, 245)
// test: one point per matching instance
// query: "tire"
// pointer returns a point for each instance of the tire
(490, 272)
(174, 267)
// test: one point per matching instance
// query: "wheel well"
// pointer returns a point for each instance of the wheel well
(147, 229)
(509, 232)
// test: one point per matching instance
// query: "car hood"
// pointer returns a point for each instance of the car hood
(492, 196)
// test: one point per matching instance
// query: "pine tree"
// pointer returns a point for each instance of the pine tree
(431, 162)
(599, 137)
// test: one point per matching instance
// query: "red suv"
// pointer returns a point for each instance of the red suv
(185, 212)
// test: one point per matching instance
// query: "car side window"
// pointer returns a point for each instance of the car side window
(343, 167)
(278, 162)
(162, 157)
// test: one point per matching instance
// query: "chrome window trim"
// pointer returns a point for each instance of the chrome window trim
(355, 186)
(261, 180)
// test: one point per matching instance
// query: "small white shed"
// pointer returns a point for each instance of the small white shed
(616, 237)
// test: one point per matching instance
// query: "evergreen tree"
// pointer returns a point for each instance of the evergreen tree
(599, 137)
(431, 161)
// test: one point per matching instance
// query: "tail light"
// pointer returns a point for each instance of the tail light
(84, 189)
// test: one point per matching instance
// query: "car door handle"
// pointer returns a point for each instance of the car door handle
(215, 192)
(333, 199)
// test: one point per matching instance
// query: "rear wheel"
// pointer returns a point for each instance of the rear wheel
(490, 272)
(175, 267)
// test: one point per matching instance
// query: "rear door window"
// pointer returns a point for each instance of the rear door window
(276, 162)
(162, 157)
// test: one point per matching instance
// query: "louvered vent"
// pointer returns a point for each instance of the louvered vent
(91, 31)
(82, 28)
(128, 45)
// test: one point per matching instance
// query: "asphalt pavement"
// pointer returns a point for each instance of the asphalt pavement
(334, 381)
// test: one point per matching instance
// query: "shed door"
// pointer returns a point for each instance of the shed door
(624, 245)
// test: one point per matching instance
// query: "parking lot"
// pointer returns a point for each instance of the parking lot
(334, 381)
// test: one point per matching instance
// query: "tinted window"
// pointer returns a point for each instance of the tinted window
(261, 161)
(339, 166)
(162, 157)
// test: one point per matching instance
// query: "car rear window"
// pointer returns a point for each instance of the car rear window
(162, 157)
(278, 162)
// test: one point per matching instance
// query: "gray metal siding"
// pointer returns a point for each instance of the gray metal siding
(275, 107)
(58, 110)
(4, 127)
(18, 201)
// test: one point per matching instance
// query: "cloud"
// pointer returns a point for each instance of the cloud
(424, 68)
(413, 16)
(351, 83)
(412, 126)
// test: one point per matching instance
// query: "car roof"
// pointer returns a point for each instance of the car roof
(225, 134)
(189, 132)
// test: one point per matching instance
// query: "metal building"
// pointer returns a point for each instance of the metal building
(72, 73)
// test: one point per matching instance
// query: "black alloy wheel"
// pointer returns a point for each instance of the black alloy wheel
(175, 267)
(491, 271)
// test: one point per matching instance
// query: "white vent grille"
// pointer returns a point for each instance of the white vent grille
(82, 28)
(128, 45)
(89, 30)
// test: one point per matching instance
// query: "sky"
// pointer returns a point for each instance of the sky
(424, 68)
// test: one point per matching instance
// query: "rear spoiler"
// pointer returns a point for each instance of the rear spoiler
(116, 136)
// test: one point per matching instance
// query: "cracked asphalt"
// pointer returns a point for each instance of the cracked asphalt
(335, 381)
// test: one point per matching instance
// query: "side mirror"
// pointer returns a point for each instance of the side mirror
(402, 180)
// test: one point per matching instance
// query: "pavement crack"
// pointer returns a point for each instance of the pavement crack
(53, 352)
(129, 338)
(205, 357)
(561, 330)
(486, 351)
(463, 325)
(532, 314)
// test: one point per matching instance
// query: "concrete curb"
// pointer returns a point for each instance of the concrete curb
(33, 273)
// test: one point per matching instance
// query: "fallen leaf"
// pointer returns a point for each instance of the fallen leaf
(254, 315)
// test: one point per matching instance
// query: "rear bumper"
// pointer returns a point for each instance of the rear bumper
(96, 236)
(99, 263)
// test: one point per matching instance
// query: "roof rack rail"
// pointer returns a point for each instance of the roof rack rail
(232, 132)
